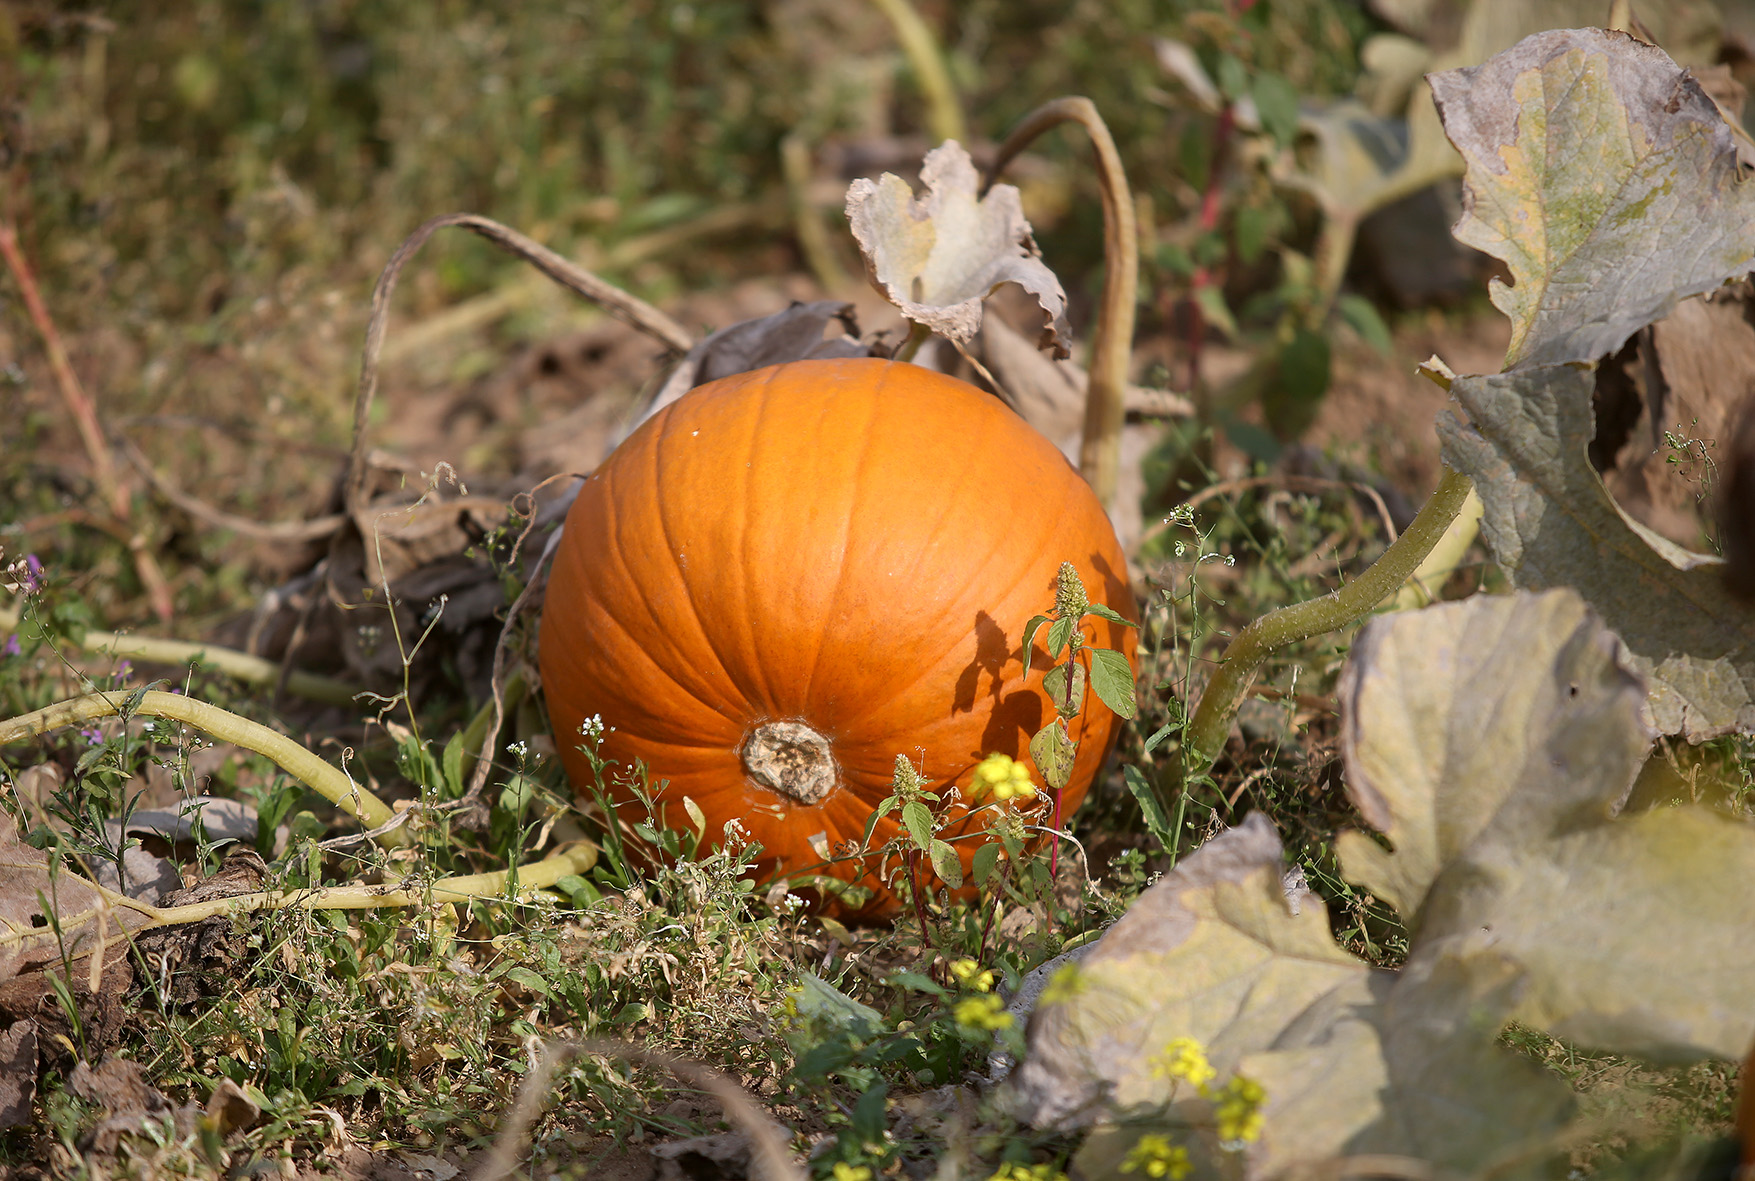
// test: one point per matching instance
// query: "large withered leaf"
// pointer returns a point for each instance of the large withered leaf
(1550, 523)
(936, 257)
(1493, 740)
(1353, 1059)
(1604, 177)
(1455, 720)
(49, 915)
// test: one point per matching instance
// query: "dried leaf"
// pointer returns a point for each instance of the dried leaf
(1542, 681)
(938, 256)
(1604, 177)
(18, 1073)
(34, 902)
(1352, 1059)
(1550, 523)
(221, 820)
(794, 334)
(1492, 741)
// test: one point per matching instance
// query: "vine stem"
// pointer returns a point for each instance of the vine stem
(238, 665)
(538, 875)
(84, 412)
(1112, 347)
(1352, 602)
(334, 785)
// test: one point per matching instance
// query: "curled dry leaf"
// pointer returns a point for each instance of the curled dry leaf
(936, 257)
(1352, 1059)
(794, 334)
(1492, 741)
(1550, 523)
(1607, 181)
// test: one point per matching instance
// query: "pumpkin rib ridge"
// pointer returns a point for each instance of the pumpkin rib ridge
(836, 609)
(613, 550)
(651, 663)
(946, 506)
(758, 693)
(688, 590)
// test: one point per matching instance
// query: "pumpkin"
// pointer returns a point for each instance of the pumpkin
(789, 577)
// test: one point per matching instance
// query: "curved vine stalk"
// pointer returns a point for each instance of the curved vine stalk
(334, 785)
(1351, 603)
(575, 278)
(1105, 405)
(240, 666)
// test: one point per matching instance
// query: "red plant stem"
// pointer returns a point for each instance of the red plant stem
(914, 897)
(84, 413)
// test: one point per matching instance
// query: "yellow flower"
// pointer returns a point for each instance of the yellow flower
(1012, 1171)
(1063, 986)
(1237, 1109)
(982, 1012)
(1183, 1058)
(1003, 777)
(969, 974)
(1155, 1156)
(847, 1172)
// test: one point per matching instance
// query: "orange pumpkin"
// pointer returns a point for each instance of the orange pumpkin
(789, 577)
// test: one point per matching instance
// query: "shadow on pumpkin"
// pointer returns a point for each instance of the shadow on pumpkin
(991, 652)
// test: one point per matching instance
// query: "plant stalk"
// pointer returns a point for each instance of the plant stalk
(1112, 345)
(1352, 602)
(84, 412)
(944, 114)
(334, 785)
(238, 665)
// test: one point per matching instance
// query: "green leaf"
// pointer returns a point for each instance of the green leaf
(1211, 302)
(531, 981)
(1036, 621)
(1151, 808)
(1301, 380)
(1103, 612)
(868, 1114)
(946, 864)
(1112, 679)
(1607, 181)
(517, 794)
(917, 982)
(696, 817)
(1277, 102)
(452, 766)
(1233, 77)
(1059, 634)
(1054, 751)
(984, 862)
(1361, 315)
(1492, 740)
(918, 821)
(1159, 735)
(819, 1002)
(1068, 699)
